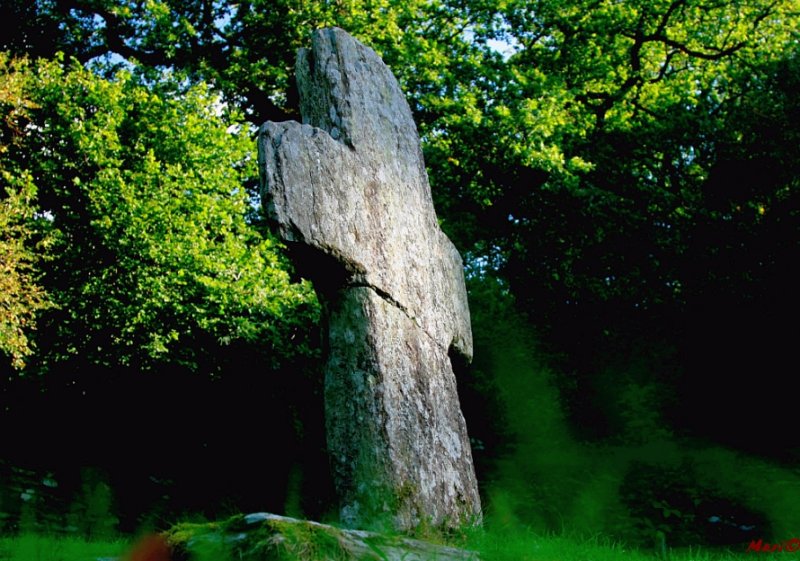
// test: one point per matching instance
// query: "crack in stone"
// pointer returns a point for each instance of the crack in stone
(397, 304)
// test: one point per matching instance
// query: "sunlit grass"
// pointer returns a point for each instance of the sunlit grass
(512, 545)
(33, 547)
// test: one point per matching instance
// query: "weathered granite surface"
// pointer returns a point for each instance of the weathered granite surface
(348, 192)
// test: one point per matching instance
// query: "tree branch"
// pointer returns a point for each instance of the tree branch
(685, 49)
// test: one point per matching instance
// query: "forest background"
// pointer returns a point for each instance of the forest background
(621, 177)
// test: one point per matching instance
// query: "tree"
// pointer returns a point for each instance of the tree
(596, 113)
(570, 143)
(246, 49)
(146, 192)
(21, 297)
(175, 319)
(628, 169)
(643, 233)
(585, 166)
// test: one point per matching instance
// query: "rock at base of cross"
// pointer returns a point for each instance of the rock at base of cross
(263, 536)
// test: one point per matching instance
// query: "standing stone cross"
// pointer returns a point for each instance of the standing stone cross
(348, 192)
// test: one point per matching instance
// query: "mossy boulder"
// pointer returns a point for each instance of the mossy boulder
(268, 537)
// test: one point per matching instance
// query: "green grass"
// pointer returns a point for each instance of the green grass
(34, 547)
(527, 546)
(517, 545)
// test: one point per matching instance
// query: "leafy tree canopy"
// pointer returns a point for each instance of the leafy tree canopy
(20, 294)
(628, 168)
(144, 192)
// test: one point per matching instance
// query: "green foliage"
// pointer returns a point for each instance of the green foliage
(281, 539)
(578, 147)
(570, 143)
(663, 501)
(522, 546)
(544, 470)
(246, 49)
(705, 495)
(619, 106)
(760, 485)
(33, 547)
(145, 190)
(642, 483)
(21, 297)
(628, 169)
(91, 513)
(526, 545)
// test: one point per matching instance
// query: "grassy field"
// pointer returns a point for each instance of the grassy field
(492, 547)
(32, 547)
(530, 547)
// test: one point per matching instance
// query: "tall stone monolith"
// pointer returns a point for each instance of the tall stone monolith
(348, 193)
